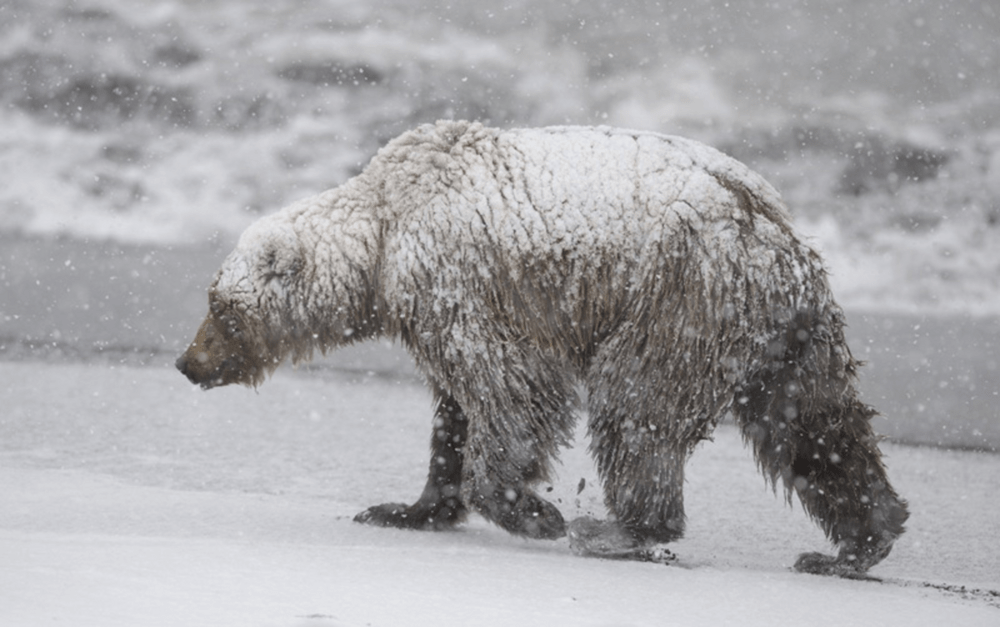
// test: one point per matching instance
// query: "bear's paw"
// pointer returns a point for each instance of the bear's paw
(820, 564)
(439, 517)
(607, 539)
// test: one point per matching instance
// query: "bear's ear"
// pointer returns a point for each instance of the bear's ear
(281, 260)
(280, 266)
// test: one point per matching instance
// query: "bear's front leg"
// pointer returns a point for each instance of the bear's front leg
(440, 505)
(502, 462)
(518, 510)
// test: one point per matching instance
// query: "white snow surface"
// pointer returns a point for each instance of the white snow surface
(128, 497)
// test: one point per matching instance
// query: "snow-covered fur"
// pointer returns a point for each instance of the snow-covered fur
(513, 264)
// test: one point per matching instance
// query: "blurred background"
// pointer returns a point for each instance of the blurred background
(139, 138)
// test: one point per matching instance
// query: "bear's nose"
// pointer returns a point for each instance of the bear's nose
(182, 364)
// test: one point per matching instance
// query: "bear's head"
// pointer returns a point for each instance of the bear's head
(251, 324)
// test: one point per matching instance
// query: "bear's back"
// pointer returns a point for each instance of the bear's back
(567, 227)
(562, 190)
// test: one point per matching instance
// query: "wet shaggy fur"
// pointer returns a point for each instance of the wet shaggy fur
(513, 265)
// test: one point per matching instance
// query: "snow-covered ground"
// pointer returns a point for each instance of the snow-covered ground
(139, 137)
(128, 497)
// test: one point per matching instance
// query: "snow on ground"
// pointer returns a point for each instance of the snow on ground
(127, 497)
(139, 138)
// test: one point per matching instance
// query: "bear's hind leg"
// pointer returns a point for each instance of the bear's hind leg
(440, 505)
(842, 483)
(807, 428)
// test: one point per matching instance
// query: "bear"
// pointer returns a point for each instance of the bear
(520, 267)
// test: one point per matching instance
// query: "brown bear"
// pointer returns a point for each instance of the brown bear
(662, 275)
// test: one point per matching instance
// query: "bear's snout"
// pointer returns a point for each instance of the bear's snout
(189, 368)
(217, 357)
(182, 365)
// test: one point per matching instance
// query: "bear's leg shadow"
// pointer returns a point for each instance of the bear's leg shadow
(440, 505)
(807, 427)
